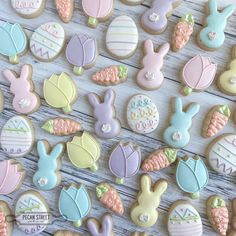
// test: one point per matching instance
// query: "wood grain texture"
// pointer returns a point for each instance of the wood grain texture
(223, 185)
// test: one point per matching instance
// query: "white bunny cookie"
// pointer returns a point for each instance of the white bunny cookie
(144, 212)
(150, 76)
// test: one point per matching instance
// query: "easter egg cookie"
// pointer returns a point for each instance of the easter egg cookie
(6, 221)
(65, 9)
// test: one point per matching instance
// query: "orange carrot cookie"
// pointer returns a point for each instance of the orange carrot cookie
(65, 9)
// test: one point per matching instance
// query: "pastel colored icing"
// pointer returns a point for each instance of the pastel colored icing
(122, 37)
(74, 204)
(32, 203)
(177, 134)
(48, 174)
(192, 175)
(144, 212)
(125, 161)
(12, 175)
(65, 9)
(84, 151)
(13, 41)
(150, 76)
(3, 225)
(198, 74)
(47, 41)
(107, 126)
(184, 220)
(221, 155)
(142, 114)
(17, 136)
(25, 99)
(6, 225)
(60, 92)
(212, 36)
(81, 52)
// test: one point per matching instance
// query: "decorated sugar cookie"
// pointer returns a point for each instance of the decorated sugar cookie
(17, 136)
(132, 2)
(13, 41)
(97, 10)
(60, 92)
(74, 203)
(81, 52)
(65, 9)
(1, 101)
(47, 41)
(122, 37)
(28, 8)
(25, 100)
(144, 211)
(212, 36)
(34, 205)
(150, 76)
(65, 233)
(184, 220)
(6, 224)
(221, 154)
(232, 231)
(198, 74)
(139, 234)
(192, 175)
(142, 114)
(12, 176)
(84, 151)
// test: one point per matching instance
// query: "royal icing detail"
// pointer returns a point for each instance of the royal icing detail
(142, 114)
(60, 92)
(198, 74)
(212, 36)
(65, 9)
(177, 134)
(221, 154)
(144, 212)
(13, 41)
(12, 175)
(84, 151)
(81, 52)
(28, 8)
(184, 220)
(150, 76)
(25, 99)
(122, 37)
(6, 225)
(132, 2)
(17, 136)
(48, 174)
(107, 125)
(105, 228)
(125, 161)
(74, 204)
(192, 175)
(47, 41)
(154, 20)
(32, 203)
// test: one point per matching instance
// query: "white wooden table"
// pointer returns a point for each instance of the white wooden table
(220, 184)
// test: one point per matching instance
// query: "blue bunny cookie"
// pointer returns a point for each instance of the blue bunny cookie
(212, 36)
(48, 175)
(177, 134)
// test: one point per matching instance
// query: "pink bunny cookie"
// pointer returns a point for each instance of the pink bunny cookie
(25, 101)
(101, 229)
(150, 76)
(107, 125)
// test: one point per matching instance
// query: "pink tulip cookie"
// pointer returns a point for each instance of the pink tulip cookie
(150, 76)
(65, 9)
(25, 101)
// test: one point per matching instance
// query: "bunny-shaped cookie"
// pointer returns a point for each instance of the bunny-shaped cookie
(144, 212)
(48, 176)
(212, 37)
(107, 125)
(103, 229)
(177, 134)
(25, 101)
(154, 21)
(150, 76)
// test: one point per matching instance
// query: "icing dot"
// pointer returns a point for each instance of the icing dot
(212, 35)
(144, 217)
(177, 136)
(232, 80)
(106, 128)
(42, 182)
(154, 17)
(150, 76)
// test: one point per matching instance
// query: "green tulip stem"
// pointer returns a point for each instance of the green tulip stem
(14, 59)
(120, 180)
(77, 223)
(195, 195)
(67, 109)
(186, 91)
(92, 22)
(78, 70)
(94, 168)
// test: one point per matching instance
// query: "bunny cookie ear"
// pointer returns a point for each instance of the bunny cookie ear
(57, 150)
(148, 46)
(109, 96)
(93, 99)
(228, 11)
(93, 226)
(26, 72)
(42, 148)
(160, 187)
(145, 183)
(107, 224)
(212, 5)
(193, 109)
(178, 105)
(164, 49)
(9, 75)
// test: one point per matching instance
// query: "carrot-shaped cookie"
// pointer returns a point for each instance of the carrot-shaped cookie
(65, 9)
(111, 75)
(182, 32)
(216, 120)
(159, 159)
(218, 215)
(110, 198)
(61, 126)
(232, 232)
